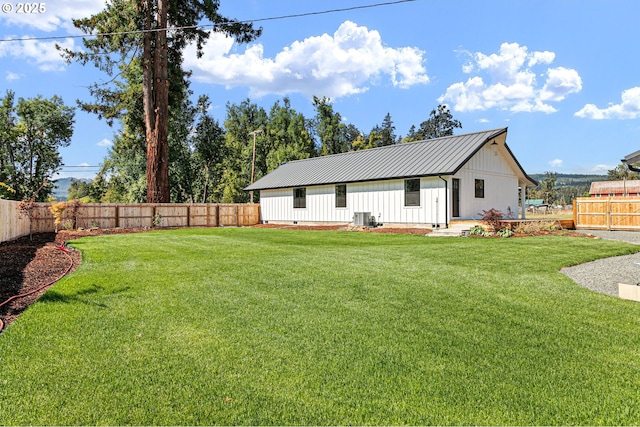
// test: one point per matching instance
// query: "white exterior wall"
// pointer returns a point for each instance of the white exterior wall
(383, 199)
(500, 184)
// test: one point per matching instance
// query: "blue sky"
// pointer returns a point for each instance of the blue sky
(564, 76)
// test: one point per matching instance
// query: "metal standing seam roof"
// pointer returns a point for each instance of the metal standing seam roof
(633, 161)
(440, 156)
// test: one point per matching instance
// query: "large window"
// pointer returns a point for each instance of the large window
(412, 192)
(479, 188)
(299, 197)
(341, 196)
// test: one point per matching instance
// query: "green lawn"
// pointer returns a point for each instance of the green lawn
(255, 326)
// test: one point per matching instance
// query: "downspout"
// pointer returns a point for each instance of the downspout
(446, 202)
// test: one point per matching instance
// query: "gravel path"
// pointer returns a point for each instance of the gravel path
(603, 275)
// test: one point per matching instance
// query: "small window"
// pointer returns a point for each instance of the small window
(299, 197)
(479, 188)
(412, 192)
(341, 196)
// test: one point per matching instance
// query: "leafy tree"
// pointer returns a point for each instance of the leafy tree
(241, 120)
(32, 133)
(78, 189)
(209, 152)
(621, 172)
(329, 128)
(440, 123)
(182, 173)
(548, 190)
(138, 37)
(287, 138)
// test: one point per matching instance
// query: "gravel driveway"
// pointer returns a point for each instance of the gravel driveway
(603, 275)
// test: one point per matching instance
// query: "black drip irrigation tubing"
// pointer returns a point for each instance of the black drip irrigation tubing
(64, 250)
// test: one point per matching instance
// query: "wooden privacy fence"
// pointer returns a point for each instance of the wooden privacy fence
(12, 224)
(112, 215)
(607, 213)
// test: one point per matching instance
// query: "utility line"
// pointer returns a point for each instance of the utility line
(212, 26)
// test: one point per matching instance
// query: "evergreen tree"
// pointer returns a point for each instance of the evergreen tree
(329, 128)
(440, 123)
(137, 35)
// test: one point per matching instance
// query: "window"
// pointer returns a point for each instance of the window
(412, 192)
(479, 188)
(299, 197)
(341, 196)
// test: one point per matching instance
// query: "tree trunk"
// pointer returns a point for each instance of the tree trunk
(156, 105)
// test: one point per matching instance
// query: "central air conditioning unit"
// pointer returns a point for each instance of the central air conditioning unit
(361, 219)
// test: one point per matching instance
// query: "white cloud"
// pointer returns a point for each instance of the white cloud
(511, 82)
(10, 76)
(601, 168)
(42, 54)
(337, 65)
(56, 14)
(555, 163)
(104, 143)
(629, 108)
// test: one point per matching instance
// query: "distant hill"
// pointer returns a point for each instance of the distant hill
(569, 186)
(61, 188)
(576, 180)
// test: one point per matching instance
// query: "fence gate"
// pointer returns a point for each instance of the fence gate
(607, 213)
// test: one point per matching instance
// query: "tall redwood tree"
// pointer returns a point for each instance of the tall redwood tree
(129, 32)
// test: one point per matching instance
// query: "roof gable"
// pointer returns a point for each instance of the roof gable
(440, 156)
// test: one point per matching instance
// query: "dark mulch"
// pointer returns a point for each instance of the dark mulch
(28, 265)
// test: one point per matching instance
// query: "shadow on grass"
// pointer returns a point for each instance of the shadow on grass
(53, 296)
(81, 296)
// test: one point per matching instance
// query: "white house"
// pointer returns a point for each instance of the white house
(425, 183)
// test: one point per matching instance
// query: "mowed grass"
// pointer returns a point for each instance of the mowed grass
(277, 327)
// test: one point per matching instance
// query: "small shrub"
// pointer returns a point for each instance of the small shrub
(68, 225)
(74, 206)
(493, 218)
(505, 232)
(476, 230)
(536, 227)
(57, 209)
(157, 218)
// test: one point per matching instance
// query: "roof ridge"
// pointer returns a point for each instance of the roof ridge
(397, 145)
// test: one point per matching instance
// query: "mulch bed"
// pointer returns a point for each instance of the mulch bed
(28, 264)
(35, 264)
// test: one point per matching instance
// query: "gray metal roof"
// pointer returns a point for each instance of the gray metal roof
(440, 156)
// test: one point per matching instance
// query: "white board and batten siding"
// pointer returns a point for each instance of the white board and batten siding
(500, 184)
(385, 199)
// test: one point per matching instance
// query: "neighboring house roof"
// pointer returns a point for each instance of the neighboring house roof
(432, 157)
(633, 161)
(615, 187)
(535, 202)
